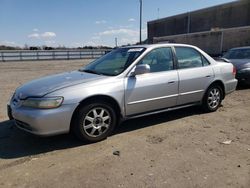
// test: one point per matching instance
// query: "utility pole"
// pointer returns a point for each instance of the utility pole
(116, 42)
(158, 13)
(140, 19)
(188, 22)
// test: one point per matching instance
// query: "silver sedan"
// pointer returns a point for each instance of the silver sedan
(126, 83)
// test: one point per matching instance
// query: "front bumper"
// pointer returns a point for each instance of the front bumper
(43, 122)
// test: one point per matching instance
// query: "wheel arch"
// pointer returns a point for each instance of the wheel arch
(217, 82)
(97, 98)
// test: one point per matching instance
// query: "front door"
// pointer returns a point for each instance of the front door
(155, 90)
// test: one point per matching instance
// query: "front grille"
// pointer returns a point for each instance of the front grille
(23, 125)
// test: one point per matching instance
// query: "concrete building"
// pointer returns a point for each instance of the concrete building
(214, 29)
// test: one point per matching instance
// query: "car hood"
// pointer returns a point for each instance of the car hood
(240, 63)
(48, 84)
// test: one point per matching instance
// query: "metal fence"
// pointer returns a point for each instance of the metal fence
(24, 55)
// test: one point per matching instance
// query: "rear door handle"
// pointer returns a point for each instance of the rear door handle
(208, 76)
(171, 82)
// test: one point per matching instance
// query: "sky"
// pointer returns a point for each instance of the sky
(74, 23)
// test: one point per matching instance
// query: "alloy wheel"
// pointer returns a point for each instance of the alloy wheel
(214, 98)
(96, 122)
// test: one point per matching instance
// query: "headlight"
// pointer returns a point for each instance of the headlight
(44, 103)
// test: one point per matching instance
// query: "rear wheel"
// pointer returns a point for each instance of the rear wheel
(212, 98)
(94, 122)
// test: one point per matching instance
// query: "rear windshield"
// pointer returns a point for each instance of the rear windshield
(238, 54)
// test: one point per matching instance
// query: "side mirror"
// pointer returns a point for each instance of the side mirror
(141, 69)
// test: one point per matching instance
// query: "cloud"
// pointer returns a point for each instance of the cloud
(131, 20)
(35, 30)
(124, 35)
(8, 43)
(91, 43)
(95, 41)
(34, 35)
(48, 35)
(124, 31)
(101, 22)
(128, 40)
(75, 44)
(95, 37)
(44, 35)
(129, 32)
(49, 42)
(126, 26)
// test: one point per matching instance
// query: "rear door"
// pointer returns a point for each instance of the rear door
(195, 74)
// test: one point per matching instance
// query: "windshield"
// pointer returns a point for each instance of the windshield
(115, 62)
(238, 54)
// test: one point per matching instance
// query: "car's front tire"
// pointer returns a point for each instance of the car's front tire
(212, 98)
(94, 122)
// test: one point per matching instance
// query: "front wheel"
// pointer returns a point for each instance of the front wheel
(94, 122)
(212, 98)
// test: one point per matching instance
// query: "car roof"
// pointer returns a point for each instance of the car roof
(240, 48)
(157, 45)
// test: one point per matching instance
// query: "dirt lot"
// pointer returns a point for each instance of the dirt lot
(177, 149)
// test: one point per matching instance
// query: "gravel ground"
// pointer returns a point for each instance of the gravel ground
(182, 148)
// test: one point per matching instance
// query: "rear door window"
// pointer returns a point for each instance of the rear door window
(189, 58)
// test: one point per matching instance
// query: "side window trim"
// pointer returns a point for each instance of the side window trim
(204, 58)
(176, 64)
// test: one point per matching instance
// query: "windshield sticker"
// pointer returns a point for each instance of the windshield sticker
(135, 50)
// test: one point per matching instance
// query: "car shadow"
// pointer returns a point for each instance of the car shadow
(15, 143)
(151, 120)
(242, 87)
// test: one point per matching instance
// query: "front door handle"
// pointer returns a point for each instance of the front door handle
(171, 82)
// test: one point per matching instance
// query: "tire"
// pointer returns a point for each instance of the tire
(94, 122)
(212, 99)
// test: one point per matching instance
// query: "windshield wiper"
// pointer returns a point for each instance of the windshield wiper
(89, 71)
(94, 72)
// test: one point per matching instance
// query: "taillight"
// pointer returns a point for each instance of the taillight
(234, 70)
